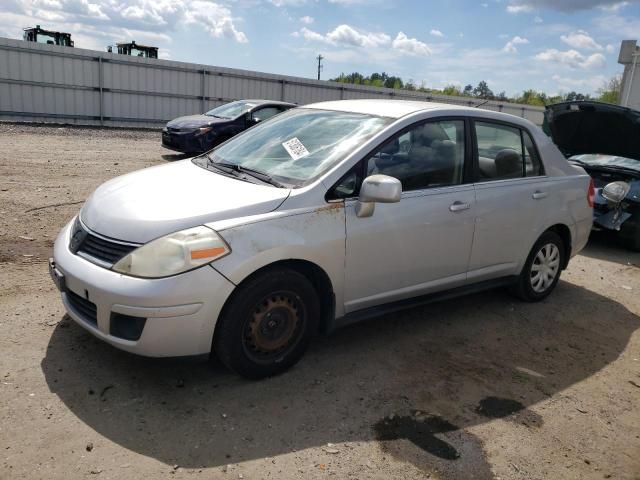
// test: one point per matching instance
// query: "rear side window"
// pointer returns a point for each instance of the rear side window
(505, 152)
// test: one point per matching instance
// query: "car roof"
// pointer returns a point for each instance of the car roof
(259, 102)
(387, 107)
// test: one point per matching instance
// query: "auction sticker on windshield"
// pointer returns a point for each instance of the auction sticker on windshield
(295, 148)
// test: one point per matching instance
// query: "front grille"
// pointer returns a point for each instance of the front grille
(104, 251)
(86, 309)
(107, 251)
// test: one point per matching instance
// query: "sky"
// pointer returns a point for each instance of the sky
(555, 46)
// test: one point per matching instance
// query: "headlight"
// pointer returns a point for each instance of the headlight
(203, 130)
(615, 191)
(174, 253)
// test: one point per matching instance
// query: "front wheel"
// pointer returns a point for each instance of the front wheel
(267, 324)
(541, 271)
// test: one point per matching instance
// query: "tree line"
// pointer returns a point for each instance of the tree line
(608, 93)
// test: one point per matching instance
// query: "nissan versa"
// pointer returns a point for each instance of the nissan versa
(321, 216)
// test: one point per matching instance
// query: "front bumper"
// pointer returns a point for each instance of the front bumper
(187, 142)
(180, 311)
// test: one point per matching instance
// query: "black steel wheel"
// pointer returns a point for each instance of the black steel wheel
(267, 324)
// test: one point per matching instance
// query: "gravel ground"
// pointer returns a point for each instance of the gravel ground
(475, 388)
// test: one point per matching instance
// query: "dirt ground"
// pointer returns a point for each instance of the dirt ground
(475, 388)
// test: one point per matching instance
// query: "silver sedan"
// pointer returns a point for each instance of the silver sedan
(321, 216)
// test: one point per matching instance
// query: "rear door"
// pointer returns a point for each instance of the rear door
(512, 196)
(421, 244)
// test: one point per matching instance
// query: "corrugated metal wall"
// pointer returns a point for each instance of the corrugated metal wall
(47, 83)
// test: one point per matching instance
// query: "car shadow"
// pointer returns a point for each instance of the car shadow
(174, 157)
(609, 247)
(413, 381)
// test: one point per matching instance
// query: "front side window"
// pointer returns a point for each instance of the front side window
(426, 156)
(265, 113)
(505, 152)
(297, 146)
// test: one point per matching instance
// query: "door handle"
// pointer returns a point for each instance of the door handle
(459, 206)
(538, 195)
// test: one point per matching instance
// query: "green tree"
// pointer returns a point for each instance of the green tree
(610, 91)
(452, 90)
(483, 91)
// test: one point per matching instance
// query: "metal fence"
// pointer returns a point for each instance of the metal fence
(47, 83)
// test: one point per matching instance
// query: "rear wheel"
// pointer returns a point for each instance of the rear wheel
(268, 323)
(541, 271)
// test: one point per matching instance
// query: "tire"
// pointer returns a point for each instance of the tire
(267, 325)
(542, 269)
(631, 236)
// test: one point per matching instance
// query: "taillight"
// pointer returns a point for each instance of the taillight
(591, 193)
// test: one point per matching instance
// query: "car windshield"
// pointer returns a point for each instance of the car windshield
(231, 110)
(296, 147)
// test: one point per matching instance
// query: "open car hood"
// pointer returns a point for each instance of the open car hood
(593, 127)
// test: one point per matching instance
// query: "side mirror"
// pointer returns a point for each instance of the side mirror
(377, 189)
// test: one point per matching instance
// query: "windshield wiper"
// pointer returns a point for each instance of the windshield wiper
(236, 169)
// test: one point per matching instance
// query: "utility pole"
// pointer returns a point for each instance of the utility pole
(319, 58)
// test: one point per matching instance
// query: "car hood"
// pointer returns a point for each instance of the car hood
(594, 160)
(592, 127)
(195, 121)
(149, 203)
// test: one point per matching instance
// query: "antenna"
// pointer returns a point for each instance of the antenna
(320, 67)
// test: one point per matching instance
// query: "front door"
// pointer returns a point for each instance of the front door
(421, 244)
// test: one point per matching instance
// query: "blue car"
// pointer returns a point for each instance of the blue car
(604, 140)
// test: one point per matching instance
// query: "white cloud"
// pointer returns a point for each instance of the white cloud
(347, 35)
(288, 3)
(510, 47)
(615, 7)
(411, 46)
(97, 23)
(311, 35)
(572, 58)
(538, 19)
(580, 39)
(618, 26)
(216, 19)
(436, 33)
(589, 83)
(307, 20)
(519, 9)
(526, 6)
